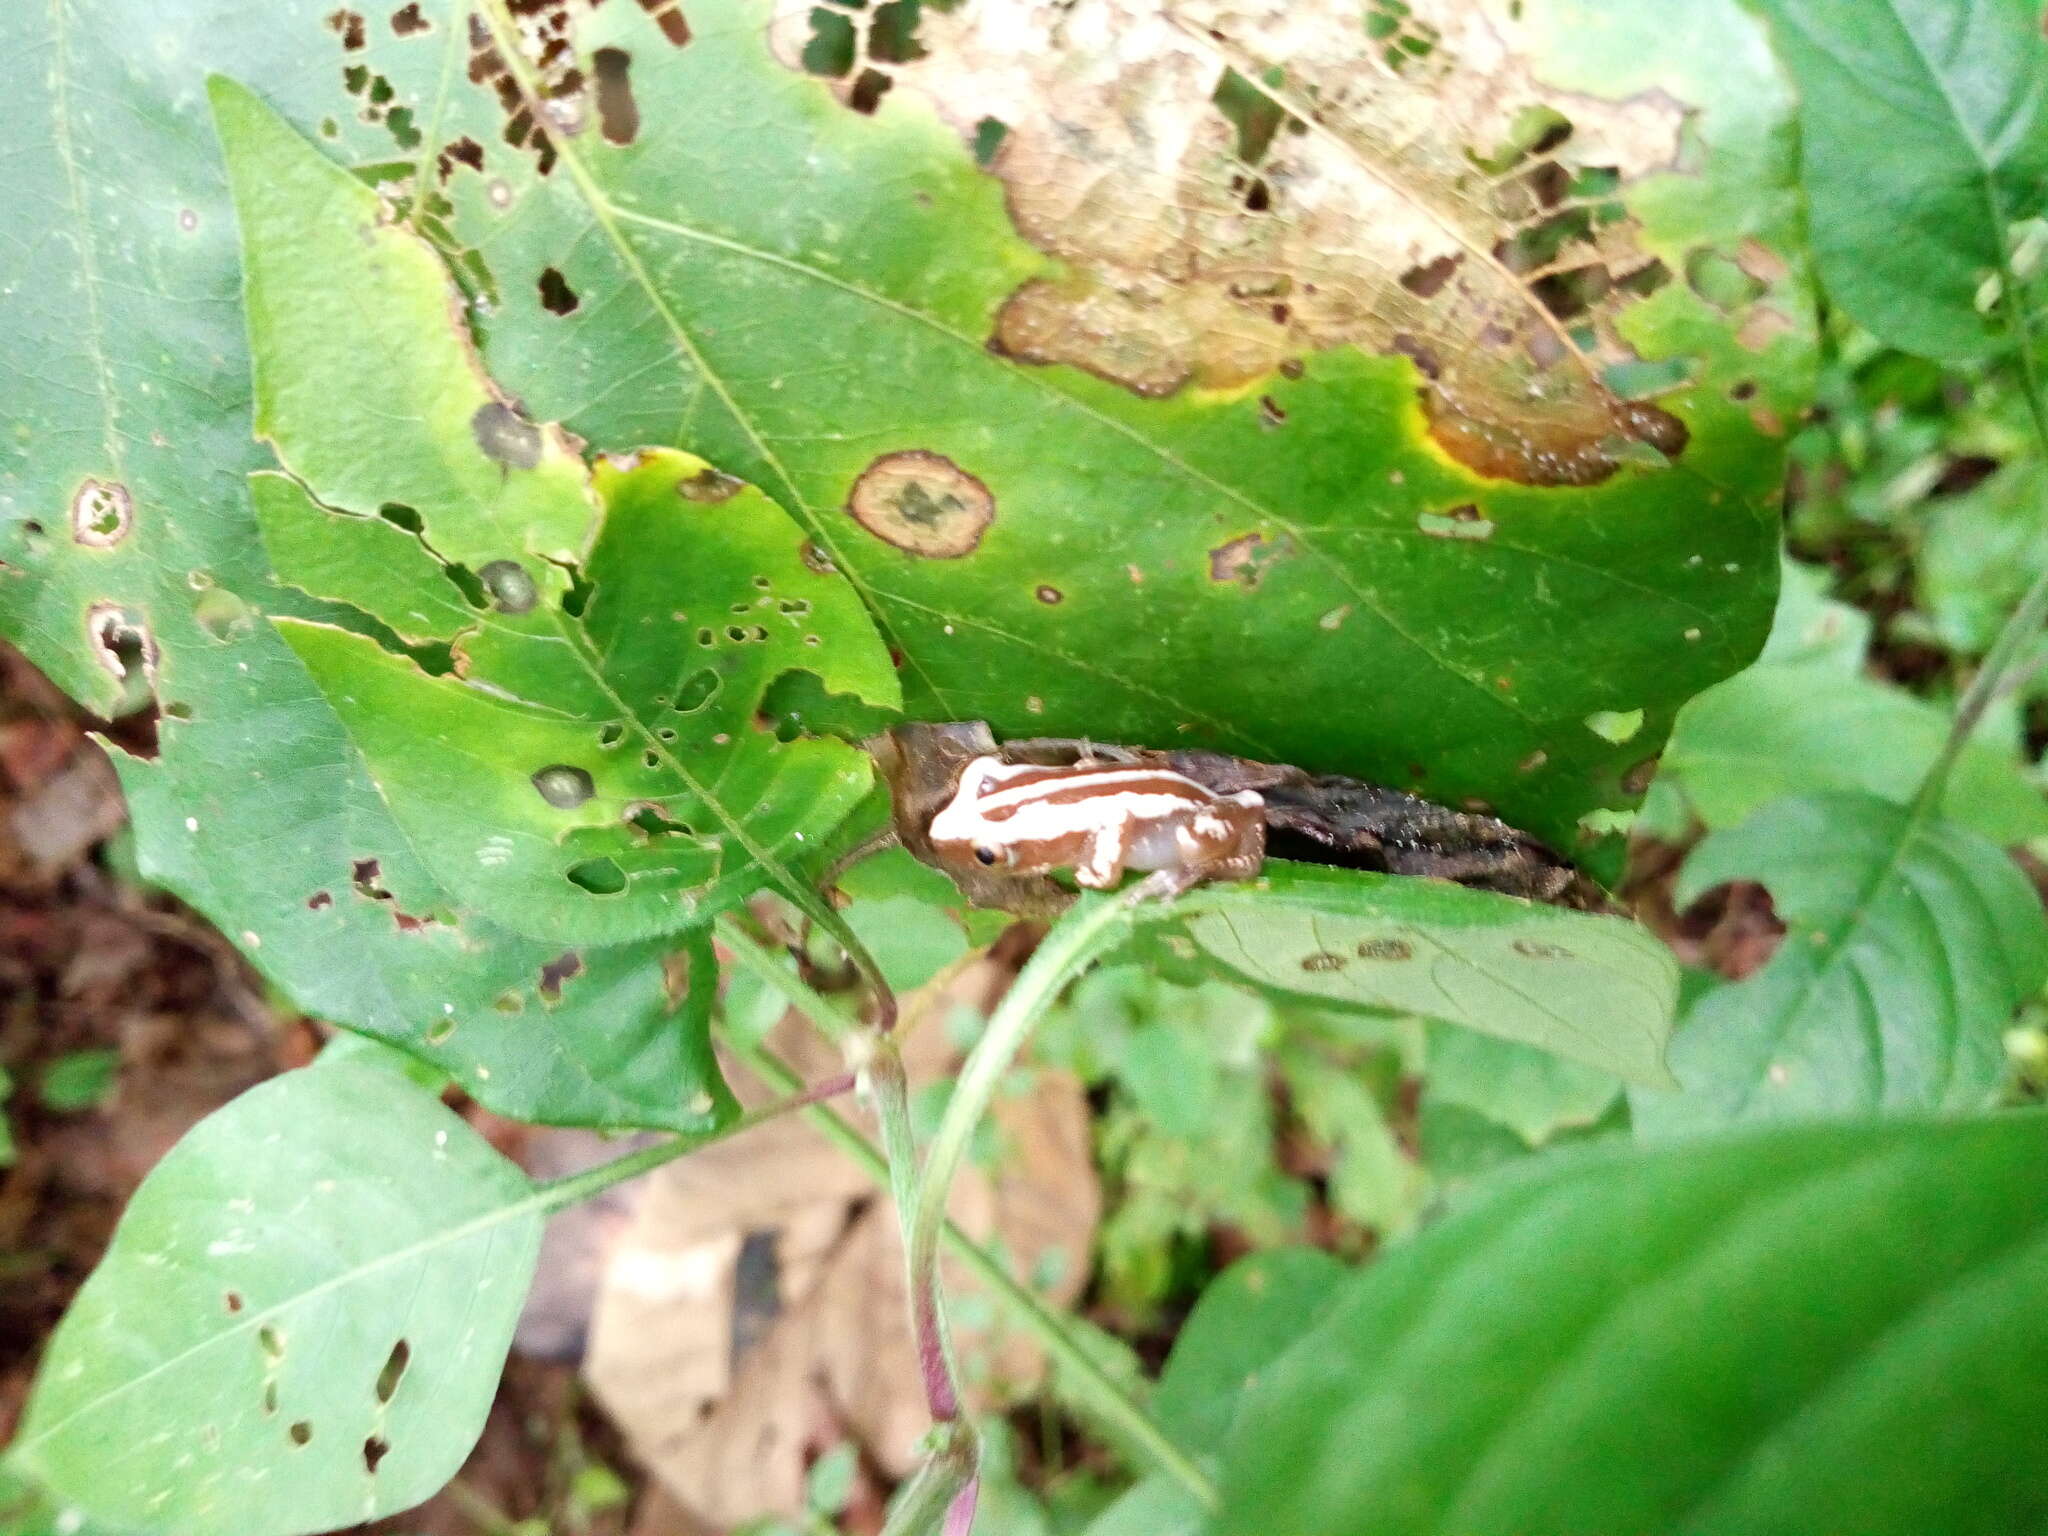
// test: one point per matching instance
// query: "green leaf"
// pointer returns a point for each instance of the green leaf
(1923, 140)
(1830, 1327)
(1247, 1316)
(1136, 542)
(591, 771)
(128, 369)
(1979, 551)
(79, 1080)
(1531, 1092)
(1779, 730)
(1909, 944)
(1596, 990)
(300, 1321)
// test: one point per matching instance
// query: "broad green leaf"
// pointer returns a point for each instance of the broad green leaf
(1596, 990)
(1979, 551)
(1533, 1093)
(1116, 442)
(300, 1322)
(1923, 138)
(79, 1080)
(1247, 1316)
(127, 368)
(1832, 1328)
(1794, 729)
(1372, 1180)
(1909, 944)
(1810, 626)
(592, 770)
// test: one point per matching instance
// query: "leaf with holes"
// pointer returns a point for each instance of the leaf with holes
(1923, 128)
(1910, 942)
(130, 565)
(1595, 990)
(301, 1319)
(1125, 382)
(592, 769)
(1727, 1337)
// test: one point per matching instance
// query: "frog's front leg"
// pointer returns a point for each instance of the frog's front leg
(1103, 863)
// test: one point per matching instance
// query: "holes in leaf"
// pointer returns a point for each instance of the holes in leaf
(563, 968)
(401, 516)
(556, 296)
(408, 21)
(1461, 522)
(892, 33)
(102, 513)
(394, 1370)
(301, 1432)
(465, 581)
(670, 19)
(270, 1340)
(364, 874)
(178, 711)
(647, 817)
(600, 876)
(508, 1001)
(464, 151)
(563, 786)
(697, 690)
(320, 901)
(269, 1397)
(869, 87)
(122, 644)
(440, 1032)
(989, 134)
(832, 45)
(1427, 280)
(710, 486)
(349, 27)
(374, 1450)
(1252, 112)
(509, 586)
(618, 115)
(609, 736)
(577, 598)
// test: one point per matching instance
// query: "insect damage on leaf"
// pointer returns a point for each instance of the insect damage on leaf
(923, 503)
(1228, 186)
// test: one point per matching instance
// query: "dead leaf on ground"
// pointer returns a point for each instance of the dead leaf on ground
(754, 1313)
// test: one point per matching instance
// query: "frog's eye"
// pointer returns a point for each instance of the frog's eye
(985, 855)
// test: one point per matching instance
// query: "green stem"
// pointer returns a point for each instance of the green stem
(1066, 951)
(1112, 1407)
(2027, 620)
(750, 954)
(578, 1187)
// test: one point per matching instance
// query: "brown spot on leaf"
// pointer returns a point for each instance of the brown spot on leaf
(1398, 202)
(565, 966)
(320, 901)
(1385, 949)
(1050, 595)
(102, 514)
(669, 18)
(1245, 559)
(1323, 960)
(710, 486)
(923, 503)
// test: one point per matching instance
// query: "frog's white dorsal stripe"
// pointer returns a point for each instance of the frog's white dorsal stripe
(1108, 781)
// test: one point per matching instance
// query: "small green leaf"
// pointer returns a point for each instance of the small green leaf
(1923, 139)
(301, 1319)
(1909, 944)
(79, 1080)
(1780, 730)
(1830, 1328)
(1531, 1092)
(1597, 990)
(591, 771)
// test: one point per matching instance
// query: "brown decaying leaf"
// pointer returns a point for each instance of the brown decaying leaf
(1415, 189)
(753, 1314)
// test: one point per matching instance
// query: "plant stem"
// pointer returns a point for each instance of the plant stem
(891, 1092)
(1119, 1414)
(1073, 942)
(752, 955)
(578, 1187)
(2027, 620)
